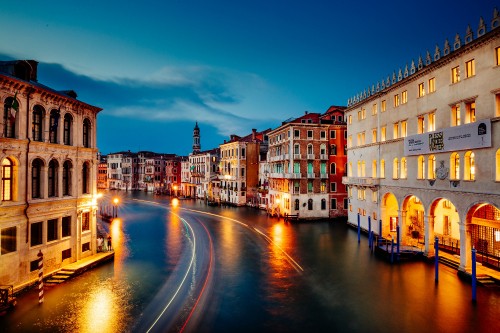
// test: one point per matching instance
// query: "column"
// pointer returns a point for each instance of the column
(465, 246)
(429, 235)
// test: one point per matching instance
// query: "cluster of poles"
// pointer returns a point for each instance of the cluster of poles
(373, 241)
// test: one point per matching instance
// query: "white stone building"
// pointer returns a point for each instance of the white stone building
(424, 150)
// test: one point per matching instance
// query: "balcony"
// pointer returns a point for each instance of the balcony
(286, 156)
(276, 175)
(323, 157)
(297, 156)
(362, 181)
(293, 175)
(323, 175)
(311, 175)
(310, 156)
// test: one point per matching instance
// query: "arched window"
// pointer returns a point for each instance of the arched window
(54, 125)
(431, 172)
(404, 170)
(374, 169)
(310, 204)
(497, 165)
(67, 168)
(421, 167)
(333, 169)
(36, 179)
(382, 168)
(395, 168)
(297, 204)
(85, 178)
(68, 123)
(322, 149)
(52, 178)
(37, 123)
(455, 166)
(7, 179)
(86, 133)
(10, 114)
(296, 149)
(323, 204)
(470, 166)
(333, 149)
(310, 150)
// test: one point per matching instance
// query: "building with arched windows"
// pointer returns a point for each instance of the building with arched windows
(434, 150)
(47, 177)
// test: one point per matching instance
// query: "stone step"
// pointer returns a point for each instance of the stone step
(54, 281)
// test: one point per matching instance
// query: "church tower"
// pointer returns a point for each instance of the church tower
(196, 139)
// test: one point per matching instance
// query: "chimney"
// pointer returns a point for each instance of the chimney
(307, 112)
(254, 131)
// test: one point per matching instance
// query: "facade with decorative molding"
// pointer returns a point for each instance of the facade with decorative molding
(424, 151)
(48, 159)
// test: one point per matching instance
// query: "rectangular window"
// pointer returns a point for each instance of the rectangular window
(322, 135)
(421, 125)
(333, 187)
(333, 203)
(310, 186)
(66, 254)
(242, 152)
(363, 113)
(349, 141)
(8, 242)
(432, 85)
(374, 196)
(396, 100)
(36, 233)
(432, 121)
(346, 203)
(395, 132)
(470, 68)
(66, 226)
(455, 74)
(51, 230)
(383, 130)
(404, 97)
(350, 119)
(455, 115)
(421, 90)
(34, 265)
(85, 221)
(382, 106)
(296, 187)
(470, 112)
(296, 134)
(404, 128)
(86, 247)
(374, 109)
(374, 135)
(309, 134)
(323, 187)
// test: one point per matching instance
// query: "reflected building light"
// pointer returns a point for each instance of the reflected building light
(497, 235)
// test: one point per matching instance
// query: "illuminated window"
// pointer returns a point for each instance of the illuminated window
(470, 112)
(431, 172)
(382, 106)
(432, 85)
(421, 90)
(374, 109)
(363, 113)
(383, 131)
(455, 74)
(349, 119)
(455, 115)
(470, 68)
(349, 170)
(404, 170)
(404, 128)
(7, 179)
(432, 122)
(363, 138)
(421, 124)
(421, 167)
(455, 166)
(404, 97)
(446, 225)
(497, 105)
(395, 131)
(349, 141)
(396, 100)
(374, 197)
(395, 168)
(363, 169)
(469, 166)
(374, 169)
(359, 169)
(497, 55)
(497, 165)
(382, 168)
(323, 187)
(374, 135)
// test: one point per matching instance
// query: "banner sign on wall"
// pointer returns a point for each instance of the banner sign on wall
(464, 137)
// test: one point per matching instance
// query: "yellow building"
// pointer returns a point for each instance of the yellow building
(424, 150)
(48, 160)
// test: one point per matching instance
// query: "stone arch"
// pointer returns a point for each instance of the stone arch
(444, 220)
(413, 221)
(389, 214)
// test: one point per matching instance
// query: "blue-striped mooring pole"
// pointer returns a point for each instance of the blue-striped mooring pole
(359, 229)
(474, 274)
(436, 259)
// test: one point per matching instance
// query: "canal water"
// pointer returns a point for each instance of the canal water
(266, 276)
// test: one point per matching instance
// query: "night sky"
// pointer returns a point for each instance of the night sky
(157, 67)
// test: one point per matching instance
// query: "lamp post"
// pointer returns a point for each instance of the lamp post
(115, 207)
(175, 190)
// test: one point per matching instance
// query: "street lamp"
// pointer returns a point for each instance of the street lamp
(115, 207)
(175, 190)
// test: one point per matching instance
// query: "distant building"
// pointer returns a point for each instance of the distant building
(424, 150)
(48, 158)
(102, 173)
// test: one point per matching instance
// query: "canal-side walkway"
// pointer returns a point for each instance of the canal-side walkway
(78, 267)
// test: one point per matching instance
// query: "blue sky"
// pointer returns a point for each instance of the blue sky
(157, 67)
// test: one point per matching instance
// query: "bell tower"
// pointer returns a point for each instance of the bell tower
(196, 139)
